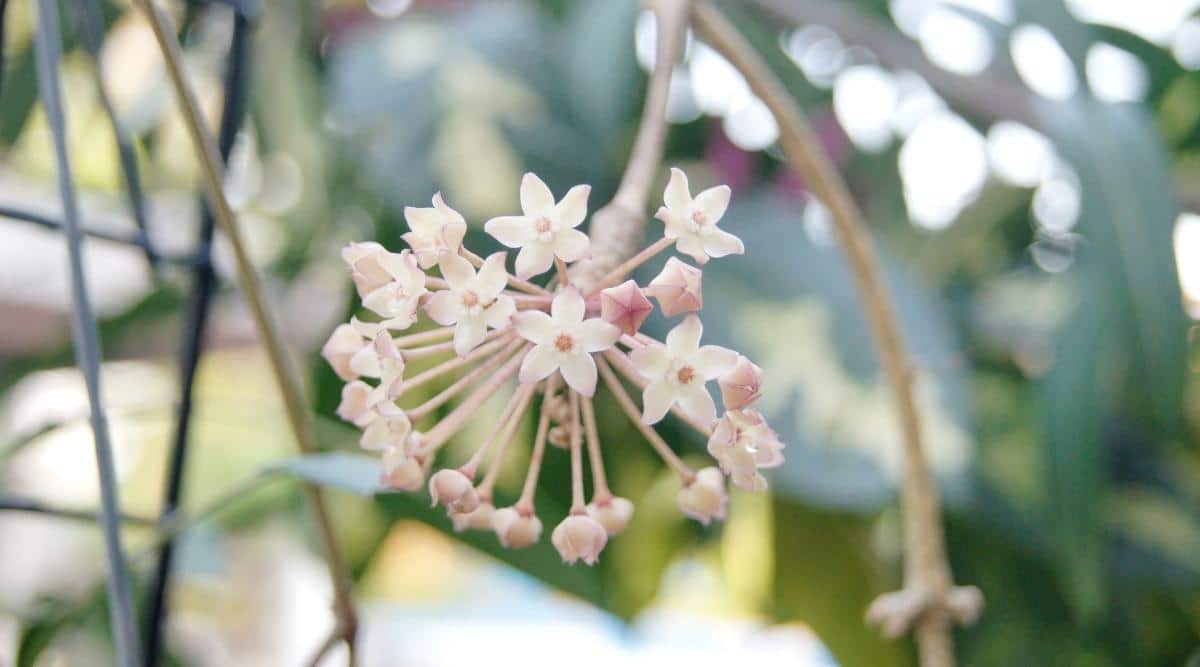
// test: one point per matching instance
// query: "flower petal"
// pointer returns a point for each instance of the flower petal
(499, 314)
(468, 333)
(457, 271)
(492, 277)
(535, 326)
(721, 243)
(573, 207)
(568, 307)
(691, 245)
(365, 362)
(713, 202)
(596, 335)
(454, 227)
(697, 402)
(533, 259)
(536, 197)
(651, 361)
(443, 308)
(424, 222)
(579, 370)
(540, 362)
(677, 196)
(513, 231)
(571, 245)
(684, 340)
(713, 361)
(657, 399)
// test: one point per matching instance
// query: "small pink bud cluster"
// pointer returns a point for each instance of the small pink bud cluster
(558, 339)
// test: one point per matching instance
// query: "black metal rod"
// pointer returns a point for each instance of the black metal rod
(136, 240)
(91, 22)
(34, 507)
(48, 50)
(203, 282)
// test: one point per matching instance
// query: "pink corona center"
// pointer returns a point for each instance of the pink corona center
(564, 343)
(470, 299)
(699, 218)
(543, 225)
(685, 375)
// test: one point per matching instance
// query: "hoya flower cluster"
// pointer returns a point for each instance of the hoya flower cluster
(557, 339)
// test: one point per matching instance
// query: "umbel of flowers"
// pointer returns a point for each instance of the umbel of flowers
(556, 339)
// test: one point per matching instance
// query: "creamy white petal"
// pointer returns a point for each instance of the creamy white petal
(684, 340)
(499, 314)
(454, 225)
(365, 362)
(468, 333)
(540, 362)
(426, 222)
(596, 335)
(713, 202)
(677, 196)
(457, 271)
(579, 370)
(656, 401)
(691, 245)
(651, 361)
(492, 277)
(568, 307)
(720, 243)
(571, 245)
(573, 207)
(536, 198)
(713, 361)
(697, 402)
(443, 307)
(534, 259)
(513, 231)
(535, 326)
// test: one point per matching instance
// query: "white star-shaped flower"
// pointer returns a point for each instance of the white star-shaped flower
(546, 230)
(434, 231)
(474, 301)
(396, 297)
(678, 371)
(564, 341)
(692, 222)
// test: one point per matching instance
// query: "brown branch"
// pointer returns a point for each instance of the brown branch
(993, 93)
(617, 229)
(212, 168)
(928, 589)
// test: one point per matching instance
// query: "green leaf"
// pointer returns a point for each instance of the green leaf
(356, 473)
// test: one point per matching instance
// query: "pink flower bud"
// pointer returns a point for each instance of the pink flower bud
(402, 471)
(356, 406)
(612, 513)
(559, 436)
(742, 385)
(677, 288)
(704, 498)
(625, 307)
(454, 490)
(579, 537)
(516, 530)
(478, 519)
(343, 344)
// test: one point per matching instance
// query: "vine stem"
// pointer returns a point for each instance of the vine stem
(205, 146)
(927, 575)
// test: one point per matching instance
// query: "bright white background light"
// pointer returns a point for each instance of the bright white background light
(1042, 63)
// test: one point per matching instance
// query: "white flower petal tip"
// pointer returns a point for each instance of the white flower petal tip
(343, 344)
(677, 288)
(401, 470)
(435, 231)
(705, 497)
(741, 387)
(579, 538)
(478, 519)
(454, 490)
(546, 229)
(564, 341)
(390, 284)
(613, 513)
(625, 307)
(516, 530)
(742, 443)
(692, 222)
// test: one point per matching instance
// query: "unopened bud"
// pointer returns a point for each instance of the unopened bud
(516, 530)
(356, 405)
(559, 436)
(625, 307)
(704, 498)
(454, 490)
(677, 288)
(613, 513)
(579, 537)
(742, 385)
(478, 519)
(402, 471)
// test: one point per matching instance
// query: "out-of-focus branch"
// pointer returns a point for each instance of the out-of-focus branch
(212, 169)
(992, 94)
(137, 240)
(618, 228)
(91, 516)
(929, 601)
